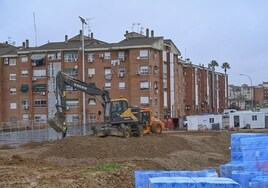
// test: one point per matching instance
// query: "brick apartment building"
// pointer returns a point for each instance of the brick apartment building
(144, 69)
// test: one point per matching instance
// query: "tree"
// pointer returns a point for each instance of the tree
(213, 64)
(225, 66)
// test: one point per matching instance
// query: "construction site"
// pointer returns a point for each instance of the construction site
(90, 161)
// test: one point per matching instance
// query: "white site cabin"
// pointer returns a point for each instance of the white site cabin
(203, 122)
(247, 119)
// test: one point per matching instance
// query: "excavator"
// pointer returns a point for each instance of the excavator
(120, 119)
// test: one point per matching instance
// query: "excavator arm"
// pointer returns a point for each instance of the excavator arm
(62, 80)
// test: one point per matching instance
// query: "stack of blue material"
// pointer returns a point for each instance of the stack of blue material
(244, 178)
(260, 182)
(142, 176)
(237, 158)
(192, 182)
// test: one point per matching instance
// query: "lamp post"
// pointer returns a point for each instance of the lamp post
(251, 87)
(83, 21)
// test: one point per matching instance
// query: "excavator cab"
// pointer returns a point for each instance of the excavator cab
(117, 111)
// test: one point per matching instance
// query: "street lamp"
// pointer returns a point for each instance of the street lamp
(83, 21)
(251, 87)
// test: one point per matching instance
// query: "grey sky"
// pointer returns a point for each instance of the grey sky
(227, 31)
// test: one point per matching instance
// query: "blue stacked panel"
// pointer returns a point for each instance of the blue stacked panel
(174, 182)
(236, 149)
(201, 173)
(260, 182)
(193, 182)
(226, 169)
(212, 182)
(255, 153)
(244, 178)
(142, 176)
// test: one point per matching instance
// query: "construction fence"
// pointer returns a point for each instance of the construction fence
(17, 133)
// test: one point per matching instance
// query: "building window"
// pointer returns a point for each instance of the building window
(90, 57)
(13, 91)
(108, 85)
(25, 117)
(40, 118)
(121, 85)
(23, 58)
(12, 77)
(54, 56)
(254, 118)
(121, 56)
(211, 120)
(91, 72)
(107, 55)
(144, 100)
(39, 87)
(38, 59)
(72, 118)
(12, 61)
(40, 103)
(71, 71)
(108, 73)
(144, 54)
(92, 117)
(24, 73)
(164, 83)
(92, 101)
(144, 70)
(13, 106)
(144, 85)
(72, 103)
(70, 56)
(39, 73)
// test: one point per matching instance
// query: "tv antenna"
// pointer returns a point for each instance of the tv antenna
(89, 26)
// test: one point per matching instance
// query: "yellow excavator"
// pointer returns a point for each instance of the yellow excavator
(120, 119)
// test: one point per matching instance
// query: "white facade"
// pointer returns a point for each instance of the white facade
(198, 122)
(247, 119)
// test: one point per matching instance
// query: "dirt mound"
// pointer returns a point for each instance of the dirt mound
(87, 161)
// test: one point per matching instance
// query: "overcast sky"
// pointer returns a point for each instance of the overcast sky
(203, 30)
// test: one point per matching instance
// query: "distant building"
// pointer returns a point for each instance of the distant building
(144, 69)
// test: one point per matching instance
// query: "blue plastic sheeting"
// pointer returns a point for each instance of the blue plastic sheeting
(236, 148)
(174, 182)
(226, 169)
(255, 153)
(194, 182)
(260, 182)
(244, 178)
(142, 176)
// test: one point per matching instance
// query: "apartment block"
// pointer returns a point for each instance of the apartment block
(145, 69)
(205, 89)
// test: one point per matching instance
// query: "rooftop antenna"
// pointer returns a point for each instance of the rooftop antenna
(133, 26)
(89, 26)
(141, 31)
(35, 30)
(138, 27)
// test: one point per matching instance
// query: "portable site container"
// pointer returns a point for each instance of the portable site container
(201, 122)
(247, 119)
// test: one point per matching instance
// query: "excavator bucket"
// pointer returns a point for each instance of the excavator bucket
(54, 125)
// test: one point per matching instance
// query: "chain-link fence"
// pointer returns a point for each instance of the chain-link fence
(18, 133)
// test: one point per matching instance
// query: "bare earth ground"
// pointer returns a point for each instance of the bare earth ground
(88, 161)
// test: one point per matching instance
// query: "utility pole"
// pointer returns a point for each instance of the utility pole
(83, 21)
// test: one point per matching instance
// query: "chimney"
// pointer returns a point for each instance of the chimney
(66, 38)
(27, 43)
(23, 44)
(152, 33)
(147, 32)
(80, 33)
(91, 35)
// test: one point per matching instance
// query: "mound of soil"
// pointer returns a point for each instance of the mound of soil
(88, 161)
